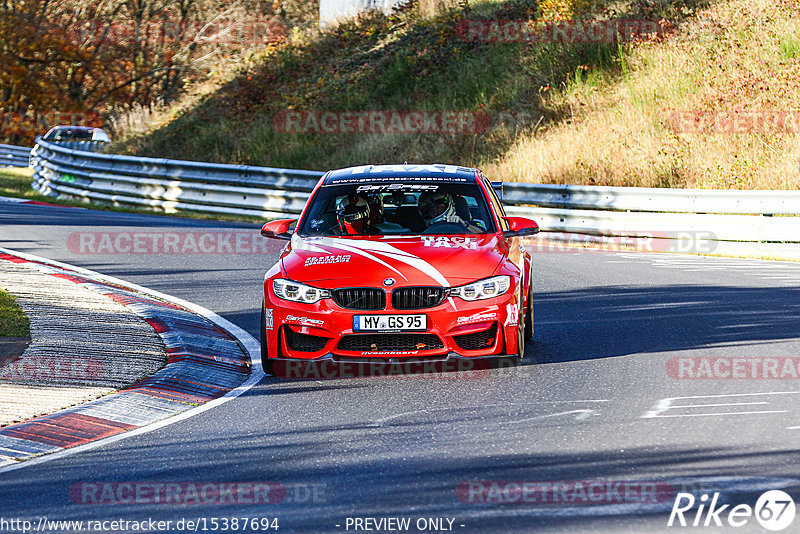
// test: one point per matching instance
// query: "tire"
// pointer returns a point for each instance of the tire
(521, 335)
(266, 363)
(529, 314)
(516, 359)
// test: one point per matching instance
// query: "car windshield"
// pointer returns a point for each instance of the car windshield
(64, 134)
(398, 208)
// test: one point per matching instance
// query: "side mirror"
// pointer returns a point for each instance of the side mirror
(520, 226)
(278, 229)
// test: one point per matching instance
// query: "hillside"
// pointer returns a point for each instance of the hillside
(711, 100)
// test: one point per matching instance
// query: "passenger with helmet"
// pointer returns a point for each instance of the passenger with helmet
(437, 207)
(377, 221)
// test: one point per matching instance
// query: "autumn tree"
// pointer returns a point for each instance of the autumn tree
(99, 56)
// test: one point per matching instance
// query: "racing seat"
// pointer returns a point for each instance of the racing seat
(410, 217)
(462, 208)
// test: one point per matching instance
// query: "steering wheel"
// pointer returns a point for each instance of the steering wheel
(445, 227)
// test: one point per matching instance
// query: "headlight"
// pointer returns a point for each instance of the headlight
(483, 289)
(297, 292)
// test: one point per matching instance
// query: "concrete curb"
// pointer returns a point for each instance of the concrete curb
(83, 345)
(210, 360)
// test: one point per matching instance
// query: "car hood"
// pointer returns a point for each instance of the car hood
(414, 260)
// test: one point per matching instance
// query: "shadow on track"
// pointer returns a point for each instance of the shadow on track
(616, 321)
(368, 481)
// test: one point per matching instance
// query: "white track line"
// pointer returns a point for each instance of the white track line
(247, 341)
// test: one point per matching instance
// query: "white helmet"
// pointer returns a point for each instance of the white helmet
(436, 207)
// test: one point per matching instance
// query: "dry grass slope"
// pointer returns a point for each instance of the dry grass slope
(737, 59)
(595, 113)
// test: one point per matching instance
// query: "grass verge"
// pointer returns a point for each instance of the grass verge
(13, 321)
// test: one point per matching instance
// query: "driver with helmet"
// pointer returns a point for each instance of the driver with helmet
(437, 207)
(353, 215)
(358, 215)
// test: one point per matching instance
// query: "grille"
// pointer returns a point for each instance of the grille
(304, 342)
(415, 298)
(389, 342)
(478, 340)
(360, 298)
(382, 359)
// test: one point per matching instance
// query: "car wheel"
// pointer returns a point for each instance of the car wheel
(529, 314)
(520, 335)
(266, 363)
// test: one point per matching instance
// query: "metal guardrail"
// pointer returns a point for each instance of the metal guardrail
(172, 184)
(14, 156)
(654, 199)
(664, 225)
(272, 192)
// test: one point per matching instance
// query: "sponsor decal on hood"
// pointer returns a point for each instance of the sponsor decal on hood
(415, 260)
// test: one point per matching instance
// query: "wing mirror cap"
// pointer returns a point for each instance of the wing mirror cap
(278, 229)
(520, 226)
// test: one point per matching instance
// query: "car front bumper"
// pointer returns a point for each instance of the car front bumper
(456, 330)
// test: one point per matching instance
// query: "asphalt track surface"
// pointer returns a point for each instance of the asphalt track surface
(589, 403)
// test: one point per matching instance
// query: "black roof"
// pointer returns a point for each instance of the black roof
(378, 173)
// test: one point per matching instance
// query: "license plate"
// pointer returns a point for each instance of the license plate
(400, 323)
